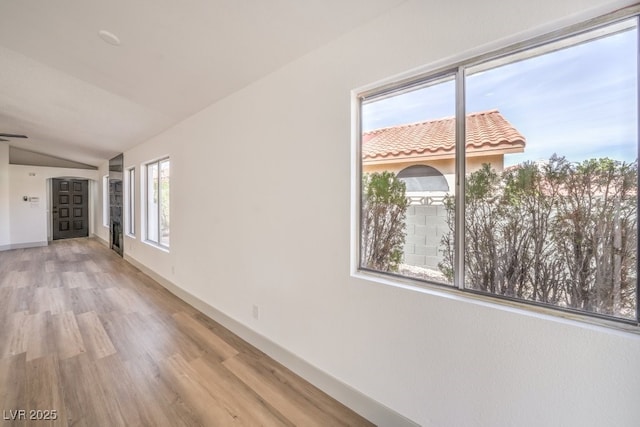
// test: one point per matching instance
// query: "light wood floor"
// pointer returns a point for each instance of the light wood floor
(84, 333)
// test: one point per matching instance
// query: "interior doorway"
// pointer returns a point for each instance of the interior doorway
(70, 208)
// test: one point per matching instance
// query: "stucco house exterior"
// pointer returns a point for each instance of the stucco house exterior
(432, 144)
(423, 155)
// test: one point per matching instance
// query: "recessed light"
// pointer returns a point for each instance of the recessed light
(109, 37)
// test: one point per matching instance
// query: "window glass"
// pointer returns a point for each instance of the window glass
(164, 202)
(105, 200)
(554, 220)
(152, 202)
(408, 171)
(131, 202)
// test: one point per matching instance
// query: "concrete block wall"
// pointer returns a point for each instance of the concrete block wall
(425, 226)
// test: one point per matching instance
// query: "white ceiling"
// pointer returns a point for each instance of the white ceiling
(80, 98)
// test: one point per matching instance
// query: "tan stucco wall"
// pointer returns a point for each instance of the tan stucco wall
(444, 166)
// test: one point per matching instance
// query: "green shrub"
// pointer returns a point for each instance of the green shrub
(384, 208)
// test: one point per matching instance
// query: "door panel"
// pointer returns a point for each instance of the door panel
(115, 203)
(70, 208)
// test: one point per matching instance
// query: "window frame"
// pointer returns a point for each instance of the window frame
(106, 202)
(144, 194)
(410, 81)
(130, 197)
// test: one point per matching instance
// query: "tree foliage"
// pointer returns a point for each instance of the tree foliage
(559, 233)
(384, 207)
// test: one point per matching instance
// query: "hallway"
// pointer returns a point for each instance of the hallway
(91, 339)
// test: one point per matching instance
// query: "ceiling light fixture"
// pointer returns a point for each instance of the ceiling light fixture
(109, 37)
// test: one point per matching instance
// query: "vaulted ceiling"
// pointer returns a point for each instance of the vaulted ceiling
(80, 98)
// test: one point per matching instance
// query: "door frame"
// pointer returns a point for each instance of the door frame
(92, 188)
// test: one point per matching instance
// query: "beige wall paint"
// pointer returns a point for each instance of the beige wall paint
(444, 166)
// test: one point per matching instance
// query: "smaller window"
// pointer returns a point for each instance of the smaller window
(131, 202)
(105, 201)
(157, 202)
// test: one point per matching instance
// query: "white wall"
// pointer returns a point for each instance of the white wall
(162, 262)
(99, 229)
(253, 171)
(4, 196)
(29, 221)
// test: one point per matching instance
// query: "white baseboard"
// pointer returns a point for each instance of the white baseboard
(347, 395)
(23, 245)
(100, 239)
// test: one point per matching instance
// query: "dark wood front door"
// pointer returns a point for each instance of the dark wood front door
(70, 208)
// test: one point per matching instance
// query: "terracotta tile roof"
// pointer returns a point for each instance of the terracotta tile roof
(486, 131)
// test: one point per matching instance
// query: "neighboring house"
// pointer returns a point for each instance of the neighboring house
(423, 156)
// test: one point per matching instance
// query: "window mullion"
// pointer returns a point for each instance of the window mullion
(638, 174)
(459, 230)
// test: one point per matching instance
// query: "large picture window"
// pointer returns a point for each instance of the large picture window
(512, 175)
(157, 202)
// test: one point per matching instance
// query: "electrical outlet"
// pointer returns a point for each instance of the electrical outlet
(256, 312)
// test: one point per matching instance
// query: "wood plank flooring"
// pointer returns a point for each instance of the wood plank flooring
(85, 334)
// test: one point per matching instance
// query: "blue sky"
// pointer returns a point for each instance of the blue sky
(580, 102)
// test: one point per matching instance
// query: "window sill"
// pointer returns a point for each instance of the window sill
(522, 308)
(157, 246)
